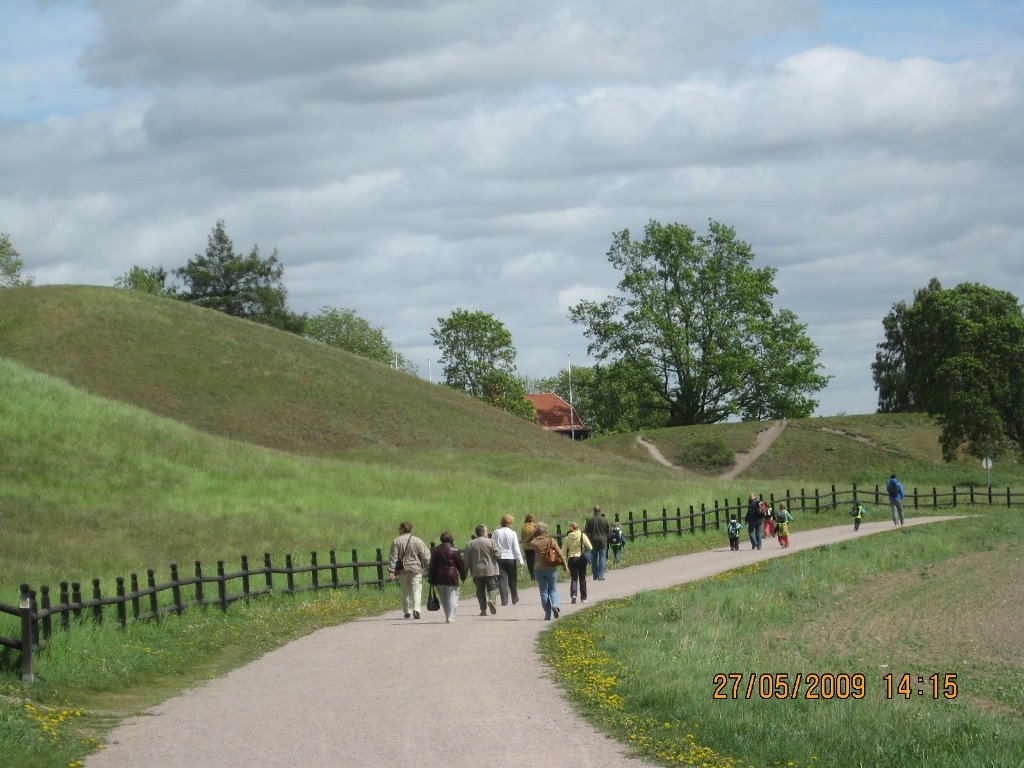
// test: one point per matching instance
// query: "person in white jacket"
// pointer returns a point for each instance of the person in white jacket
(511, 559)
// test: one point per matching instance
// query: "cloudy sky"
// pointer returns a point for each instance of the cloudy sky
(414, 156)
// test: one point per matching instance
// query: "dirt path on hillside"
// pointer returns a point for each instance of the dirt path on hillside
(385, 691)
(764, 440)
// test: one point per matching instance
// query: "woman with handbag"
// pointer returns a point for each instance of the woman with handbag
(545, 568)
(578, 552)
(447, 569)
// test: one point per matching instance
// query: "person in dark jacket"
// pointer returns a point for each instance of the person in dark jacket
(447, 570)
(754, 521)
(597, 530)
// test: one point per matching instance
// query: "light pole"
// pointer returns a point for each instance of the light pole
(572, 420)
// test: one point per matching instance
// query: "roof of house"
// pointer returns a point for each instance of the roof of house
(554, 413)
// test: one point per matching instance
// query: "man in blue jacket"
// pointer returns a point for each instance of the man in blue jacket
(895, 490)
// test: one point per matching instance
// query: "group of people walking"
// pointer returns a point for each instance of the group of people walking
(493, 559)
(762, 520)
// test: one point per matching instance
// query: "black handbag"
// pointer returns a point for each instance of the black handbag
(433, 603)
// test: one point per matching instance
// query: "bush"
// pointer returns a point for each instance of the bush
(708, 453)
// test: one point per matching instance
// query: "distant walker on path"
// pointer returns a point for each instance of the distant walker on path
(597, 530)
(896, 493)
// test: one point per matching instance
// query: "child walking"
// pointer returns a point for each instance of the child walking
(857, 513)
(617, 540)
(782, 521)
(734, 529)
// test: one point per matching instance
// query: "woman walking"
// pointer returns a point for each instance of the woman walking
(549, 557)
(577, 548)
(447, 569)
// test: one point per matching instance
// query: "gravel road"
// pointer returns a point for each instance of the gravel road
(387, 691)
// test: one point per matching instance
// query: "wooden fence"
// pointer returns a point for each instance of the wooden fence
(37, 612)
(648, 524)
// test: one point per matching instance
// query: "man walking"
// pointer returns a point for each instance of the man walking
(511, 559)
(597, 530)
(482, 557)
(407, 562)
(896, 493)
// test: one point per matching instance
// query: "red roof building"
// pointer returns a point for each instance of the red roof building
(556, 415)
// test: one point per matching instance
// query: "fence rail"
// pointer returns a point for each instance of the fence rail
(648, 524)
(37, 612)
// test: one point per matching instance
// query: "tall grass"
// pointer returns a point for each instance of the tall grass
(917, 601)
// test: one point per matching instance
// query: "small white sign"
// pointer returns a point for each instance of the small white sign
(986, 463)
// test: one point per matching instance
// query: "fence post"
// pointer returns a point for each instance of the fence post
(835, 501)
(47, 619)
(632, 535)
(679, 521)
(200, 592)
(315, 572)
(122, 609)
(718, 516)
(692, 524)
(355, 569)
(289, 574)
(154, 603)
(65, 601)
(972, 494)
(1007, 496)
(76, 598)
(664, 522)
(135, 597)
(25, 609)
(268, 571)
(954, 496)
(915, 498)
(245, 576)
(817, 501)
(643, 522)
(97, 610)
(703, 518)
(176, 590)
(222, 587)
(334, 570)
(935, 498)
(380, 568)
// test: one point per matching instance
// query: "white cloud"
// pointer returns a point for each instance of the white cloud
(410, 158)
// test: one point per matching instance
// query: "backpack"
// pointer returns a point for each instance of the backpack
(893, 488)
(734, 527)
(553, 556)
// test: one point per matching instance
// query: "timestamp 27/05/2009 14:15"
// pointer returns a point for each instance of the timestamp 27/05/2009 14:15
(826, 685)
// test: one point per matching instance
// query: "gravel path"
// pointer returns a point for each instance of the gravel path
(386, 691)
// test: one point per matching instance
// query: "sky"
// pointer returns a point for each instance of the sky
(410, 157)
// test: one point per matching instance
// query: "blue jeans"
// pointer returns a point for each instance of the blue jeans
(600, 562)
(547, 581)
(755, 535)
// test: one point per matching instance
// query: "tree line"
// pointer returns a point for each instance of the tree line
(691, 336)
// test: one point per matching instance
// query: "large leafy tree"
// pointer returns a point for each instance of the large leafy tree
(697, 318)
(248, 286)
(11, 265)
(344, 329)
(889, 369)
(962, 353)
(477, 356)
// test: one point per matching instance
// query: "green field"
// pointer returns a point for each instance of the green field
(137, 431)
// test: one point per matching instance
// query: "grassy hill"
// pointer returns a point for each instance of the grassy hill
(137, 431)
